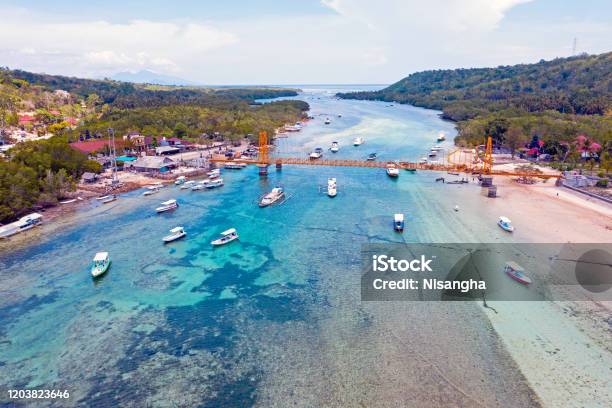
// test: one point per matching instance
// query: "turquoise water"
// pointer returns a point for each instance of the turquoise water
(242, 324)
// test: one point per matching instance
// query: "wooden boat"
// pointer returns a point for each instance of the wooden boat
(101, 263)
(516, 272)
(175, 233)
(505, 224)
(226, 237)
(398, 222)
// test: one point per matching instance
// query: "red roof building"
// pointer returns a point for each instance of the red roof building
(72, 121)
(25, 119)
(89, 146)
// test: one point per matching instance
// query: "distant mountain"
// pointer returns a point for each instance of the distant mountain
(146, 76)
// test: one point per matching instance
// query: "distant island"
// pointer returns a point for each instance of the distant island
(544, 106)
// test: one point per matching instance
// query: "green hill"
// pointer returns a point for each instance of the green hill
(550, 99)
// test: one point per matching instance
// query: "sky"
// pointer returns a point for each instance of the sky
(294, 41)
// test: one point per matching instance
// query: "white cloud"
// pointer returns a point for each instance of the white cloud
(356, 41)
(101, 47)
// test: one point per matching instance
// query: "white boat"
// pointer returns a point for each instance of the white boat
(456, 208)
(151, 190)
(68, 201)
(175, 233)
(187, 185)
(180, 180)
(226, 237)
(315, 155)
(234, 165)
(398, 222)
(199, 186)
(436, 148)
(214, 173)
(23, 224)
(505, 224)
(104, 197)
(167, 206)
(334, 147)
(101, 262)
(293, 128)
(441, 137)
(272, 197)
(358, 141)
(332, 187)
(109, 199)
(214, 183)
(433, 153)
(327, 121)
(423, 160)
(516, 272)
(392, 171)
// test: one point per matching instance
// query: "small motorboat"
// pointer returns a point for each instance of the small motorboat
(516, 272)
(339, 115)
(371, 157)
(392, 170)
(358, 141)
(316, 153)
(334, 147)
(187, 185)
(441, 137)
(456, 208)
(101, 263)
(167, 206)
(109, 199)
(218, 182)
(199, 186)
(151, 190)
(272, 197)
(180, 180)
(433, 153)
(234, 166)
(214, 173)
(437, 148)
(327, 121)
(331, 187)
(505, 224)
(175, 233)
(226, 237)
(398, 222)
(423, 160)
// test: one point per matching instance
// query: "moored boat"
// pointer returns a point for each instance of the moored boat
(109, 199)
(187, 185)
(214, 173)
(151, 190)
(371, 157)
(327, 121)
(332, 187)
(441, 137)
(218, 182)
(392, 170)
(226, 237)
(167, 206)
(23, 224)
(334, 147)
(423, 160)
(516, 272)
(101, 263)
(234, 166)
(180, 180)
(456, 208)
(505, 224)
(272, 197)
(199, 186)
(358, 141)
(398, 222)
(175, 233)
